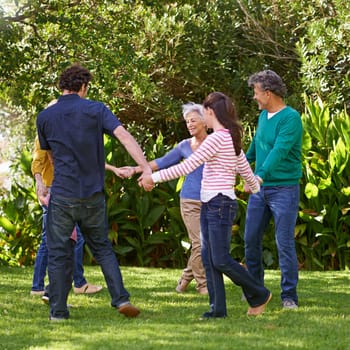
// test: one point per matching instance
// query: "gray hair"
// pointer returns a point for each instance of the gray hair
(192, 107)
(268, 80)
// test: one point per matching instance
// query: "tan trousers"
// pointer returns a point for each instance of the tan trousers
(190, 212)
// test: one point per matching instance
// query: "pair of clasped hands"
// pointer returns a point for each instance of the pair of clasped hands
(145, 180)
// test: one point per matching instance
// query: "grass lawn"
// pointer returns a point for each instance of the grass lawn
(171, 321)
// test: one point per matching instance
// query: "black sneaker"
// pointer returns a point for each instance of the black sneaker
(210, 314)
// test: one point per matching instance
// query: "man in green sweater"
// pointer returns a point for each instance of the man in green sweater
(276, 152)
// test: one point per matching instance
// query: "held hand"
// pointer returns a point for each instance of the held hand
(114, 169)
(42, 193)
(45, 200)
(124, 172)
(247, 188)
(145, 181)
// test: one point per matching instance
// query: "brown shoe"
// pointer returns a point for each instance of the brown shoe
(258, 310)
(128, 310)
(182, 285)
(87, 289)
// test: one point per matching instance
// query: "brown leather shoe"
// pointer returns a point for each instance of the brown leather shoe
(128, 310)
(182, 285)
(88, 289)
(258, 310)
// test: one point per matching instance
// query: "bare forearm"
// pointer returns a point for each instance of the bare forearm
(41, 189)
(38, 179)
(132, 147)
(152, 164)
(123, 172)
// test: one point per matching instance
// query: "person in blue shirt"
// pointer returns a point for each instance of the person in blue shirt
(190, 203)
(42, 170)
(72, 131)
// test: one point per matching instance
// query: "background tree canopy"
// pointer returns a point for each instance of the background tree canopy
(149, 57)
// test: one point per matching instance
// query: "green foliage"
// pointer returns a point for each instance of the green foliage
(147, 57)
(323, 233)
(146, 227)
(324, 54)
(20, 220)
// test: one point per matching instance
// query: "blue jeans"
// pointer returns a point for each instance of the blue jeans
(40, 265)
(217, 217)
(90, 215)
(281, 203)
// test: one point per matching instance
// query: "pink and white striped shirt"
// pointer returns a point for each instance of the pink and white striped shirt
(220, 168)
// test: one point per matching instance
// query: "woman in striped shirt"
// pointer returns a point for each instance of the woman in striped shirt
(223, 158)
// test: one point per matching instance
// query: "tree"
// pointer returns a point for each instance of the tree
(147, 57)
(324, 53)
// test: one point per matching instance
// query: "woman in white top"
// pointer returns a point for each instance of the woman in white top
(223, 158)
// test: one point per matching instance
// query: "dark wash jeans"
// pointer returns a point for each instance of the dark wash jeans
(90, 215)
(280, 203)
(217, 217)
(40, 265)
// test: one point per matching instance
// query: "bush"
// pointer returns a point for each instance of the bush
(324, 54)
(20, 217)
(323, 233)
(146, 229)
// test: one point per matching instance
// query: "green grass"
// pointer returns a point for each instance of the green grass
(171, 321)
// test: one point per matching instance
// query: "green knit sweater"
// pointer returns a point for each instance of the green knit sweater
(276, 148)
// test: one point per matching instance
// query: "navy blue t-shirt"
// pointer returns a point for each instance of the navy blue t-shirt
(73, 130)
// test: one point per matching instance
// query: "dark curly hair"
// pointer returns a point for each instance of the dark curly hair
(74, 77)
(226, 114)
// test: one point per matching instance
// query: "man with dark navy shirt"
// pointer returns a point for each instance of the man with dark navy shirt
(72, 130)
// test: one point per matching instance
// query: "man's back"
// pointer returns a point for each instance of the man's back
(73, 130)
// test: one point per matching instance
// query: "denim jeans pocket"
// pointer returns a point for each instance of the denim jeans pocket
(223, 209)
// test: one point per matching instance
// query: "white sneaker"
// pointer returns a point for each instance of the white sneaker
(38, 293)
(289, 304)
